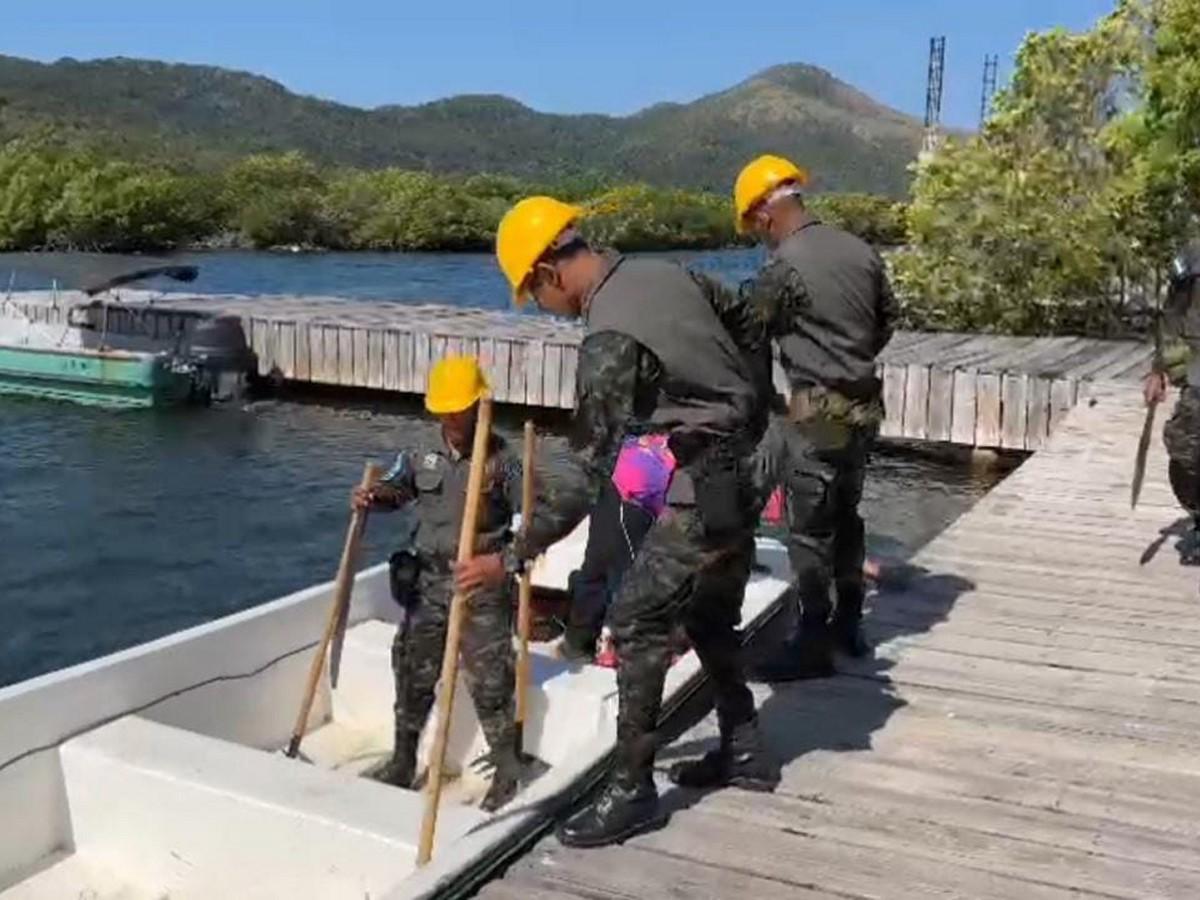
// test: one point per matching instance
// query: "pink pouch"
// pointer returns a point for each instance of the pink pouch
(775, 508)
(644, 470)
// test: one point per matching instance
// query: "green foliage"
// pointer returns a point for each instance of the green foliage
(53, 196)
(1082, 184)
(640, 217)
(878, 220)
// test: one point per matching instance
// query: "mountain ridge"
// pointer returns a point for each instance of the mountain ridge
(208, 115)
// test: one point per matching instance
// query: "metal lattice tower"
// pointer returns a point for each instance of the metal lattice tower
(990, 66)
(933, 93)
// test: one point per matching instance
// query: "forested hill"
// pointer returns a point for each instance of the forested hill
(209, 116)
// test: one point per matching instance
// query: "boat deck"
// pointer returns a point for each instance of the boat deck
(1028, 730)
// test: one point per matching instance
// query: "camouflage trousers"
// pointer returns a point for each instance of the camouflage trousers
(1181, 435)
(488, 660)
(678, 575)
(821, 469)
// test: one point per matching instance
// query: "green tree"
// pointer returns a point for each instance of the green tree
(1081, 184)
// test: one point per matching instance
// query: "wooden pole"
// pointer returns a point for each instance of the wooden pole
(525, 595)
(341, 603)
(458, 610)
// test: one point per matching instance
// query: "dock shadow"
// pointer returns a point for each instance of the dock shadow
(837, 714)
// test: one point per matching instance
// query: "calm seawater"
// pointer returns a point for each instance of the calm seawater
(119, 527)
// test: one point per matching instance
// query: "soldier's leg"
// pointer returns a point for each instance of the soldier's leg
(809, 479)
(648, 604)
(1181, 435)
(489, 667)
(416, 665)
(850, 547)
(712, 619)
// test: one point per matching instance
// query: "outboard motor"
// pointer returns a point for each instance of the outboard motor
(223, 361)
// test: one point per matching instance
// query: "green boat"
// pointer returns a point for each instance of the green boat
(66, 352)
(110, 378)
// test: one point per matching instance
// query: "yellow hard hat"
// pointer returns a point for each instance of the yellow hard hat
(526, 232)
(455, 383)
(758, 179)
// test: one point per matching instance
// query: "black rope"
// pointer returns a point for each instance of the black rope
(33, 751)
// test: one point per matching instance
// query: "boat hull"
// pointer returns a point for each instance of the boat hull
(115, 379)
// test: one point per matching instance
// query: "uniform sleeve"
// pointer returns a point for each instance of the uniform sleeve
(397, 487)
(888, 312)
(777, 296)
(736, 313)
(1172, 354)
(615, 379)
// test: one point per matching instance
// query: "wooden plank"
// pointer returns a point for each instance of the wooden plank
(261, 345)
(941, 404)
(406, 343)
(501, 365)
(345, 357)
(962, 424)
(305, 335)
(1014, 410)
(552, 375)
(516, 372)
(391, 360)
(437, 348)
(987, 410)
(1062, 400)
(535, 362)
(328, 371)
(566, 396)
(894, 384)
(422, 360)
(285, 343)
(1038, 428)
(916, 401)
(375, 358)
(362, 362)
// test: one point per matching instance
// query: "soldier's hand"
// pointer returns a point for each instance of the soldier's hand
(361, 498)
(1154, 388)
(482, 571)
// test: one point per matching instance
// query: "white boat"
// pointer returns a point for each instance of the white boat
(156, 772)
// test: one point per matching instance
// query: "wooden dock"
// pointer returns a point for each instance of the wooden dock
(1027, 731)
(974, 390)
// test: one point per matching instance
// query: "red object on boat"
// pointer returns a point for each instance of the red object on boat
(776, 507)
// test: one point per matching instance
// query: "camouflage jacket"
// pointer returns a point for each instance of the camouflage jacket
(431, 482)
(1178, 348)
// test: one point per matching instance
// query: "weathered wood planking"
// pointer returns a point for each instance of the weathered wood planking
(976, 390)
(1025, 731)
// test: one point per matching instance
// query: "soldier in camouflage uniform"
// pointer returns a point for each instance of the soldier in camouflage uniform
(665, 352)
(824, 297)
(1177, 360)
(432, 480)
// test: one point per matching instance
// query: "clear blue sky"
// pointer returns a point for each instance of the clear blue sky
(555, 55)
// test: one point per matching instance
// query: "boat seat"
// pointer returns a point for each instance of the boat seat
(184, 815)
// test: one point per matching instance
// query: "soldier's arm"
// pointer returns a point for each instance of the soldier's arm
(615, 378)
(397, 487)
(888, 309)
(736, 313)
(776, 296)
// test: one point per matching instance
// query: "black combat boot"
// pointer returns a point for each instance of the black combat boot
(1189, 545)
(578, 644)
(626, 806)
(740, 760)
(847, 622)
(808, 655)
(505, 779)
(401, 769)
